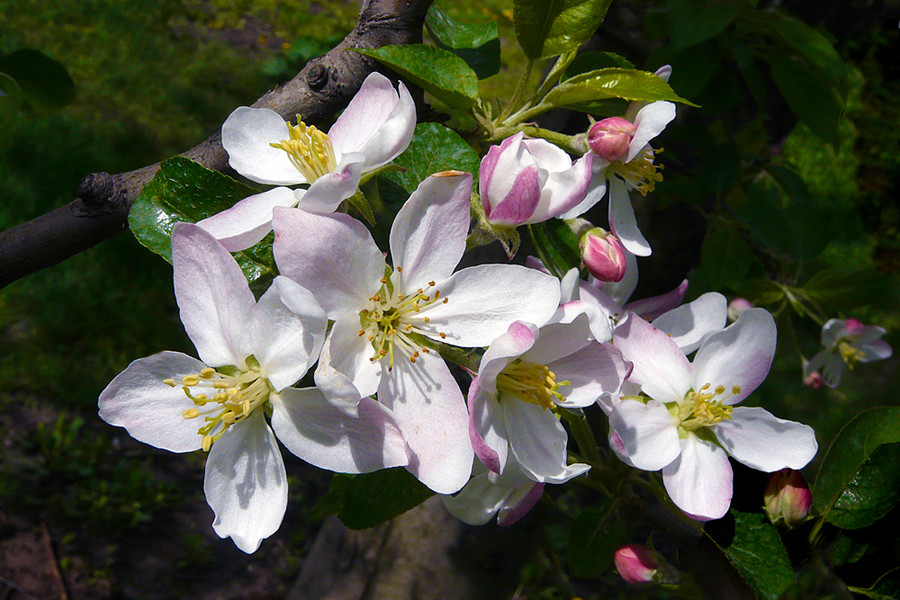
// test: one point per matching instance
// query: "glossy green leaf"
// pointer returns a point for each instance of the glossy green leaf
(757, 553)
(847, 287)
(809, 96)
(556, 245)
(593, 540)
(694, 21)
(591, 61)
(762, 291)
(373, 498)
(613, 82)
(725, 257)
(185, 191)
(439, 72)
(859, 480)
(476, 43)
(433, 149)
(551, 27)
(38, 79)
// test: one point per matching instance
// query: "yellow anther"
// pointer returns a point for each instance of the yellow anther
(190, 380)
(720, 389)
(170, 382)
(735, 389)
(207, 373)
(432, 284)
(206, 442)
(191, 413)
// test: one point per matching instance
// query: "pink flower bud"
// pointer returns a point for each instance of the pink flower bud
(853, 325)
(611, 138)
(813, 380)
(787, 497)
(737, 306)
(636, 564)
(603, 255)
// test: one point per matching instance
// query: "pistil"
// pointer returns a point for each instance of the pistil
(700, 408)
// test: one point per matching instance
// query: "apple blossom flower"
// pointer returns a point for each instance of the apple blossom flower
(387, 319)
(250, 352)
(636, 564)
(524, 181)
(525, 376)
(686, 424)
(509, 496)
(847, 342)
(374, 129)
(787, 498)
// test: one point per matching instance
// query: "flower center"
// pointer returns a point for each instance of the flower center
(850, 354)
(530, 382)
(393, 321)
(226, 399)
(701, 409)
(309, 150)
(640, 172)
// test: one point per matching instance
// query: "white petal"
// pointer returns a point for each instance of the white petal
(764, 442)
(333, 256)
(285, 332)
(621, 291)
(432, 414)
(739, 355)
(875, 350)
(310, 427)
(622, 219)
(484, 300)
(564, 189)
(653, 307)
(503, 350)
(345, 372)
(660, 367)
(537, 439)
(327, 192)
(689, 324)
(213, 296)
(246, 135)
(700, 481)
(595, 193)
(138, 400)
(558, 340)
(428, 236)
(650, 121)
(487, 430)
(591, 372)
(246, 484)
(250, 220)
(478, 501)
(832, 330)
(648, 432)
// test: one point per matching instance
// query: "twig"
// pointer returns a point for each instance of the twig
(54, 562)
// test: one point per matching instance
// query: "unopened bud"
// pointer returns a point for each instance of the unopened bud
(737, 306)
(611, 138)
(853, 325)
(787, 498)
(813, 380)
(603, 255)
(636, 564)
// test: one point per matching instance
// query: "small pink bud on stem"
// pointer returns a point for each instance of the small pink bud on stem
(636, 564)
(603, 254)
(787, 498)
(611, 138)
(737, 306)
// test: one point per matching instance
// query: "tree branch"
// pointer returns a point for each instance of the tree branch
(324, 86)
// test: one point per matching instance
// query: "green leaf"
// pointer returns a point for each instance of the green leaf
(784, 226)
(40, 80)
(614, 82)
(757, 553)
(859, 480)
(847, 287)
(591, 61)
(476, 43)
(557, 245)
(433, 149)
(551, 27)
(439, 72)
(886, 588)
(762, 291)
(694, 21)
(374, 498)
(185, 191)
(593, 539)
(812, 98)
(725, 257)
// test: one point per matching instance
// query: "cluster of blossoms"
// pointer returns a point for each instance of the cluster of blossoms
(377, 329)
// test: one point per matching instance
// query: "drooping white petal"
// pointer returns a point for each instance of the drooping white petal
(595, 192)
(593, 371)
(250, 220)
(428, 236)
(622, 219)
(311, 428)
(537, 439)
(699, 482)
(764, 442)
(689, 324)
(138, 400)
(564, 189)
(558, 340)
(739, 355)
(430, 409)
(484, 300)
(648, 432)
(487, 430)
(875, 350)
(333, 256)
(213, 296)
(832, 330)
(519, 502)
(345, 373)
(621, 291)
(327, 192)
(650, 121)
(246, 135)
(285, 332)
(246, 484)
(478, 501)
(660, 367)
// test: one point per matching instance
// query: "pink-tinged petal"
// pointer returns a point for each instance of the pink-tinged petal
(595, 192)
(564, 190)
(327, 192)
(650, 121)
(378, 122)
(648, 432)
(622, 220)
(660, 367)
(285, 332)
(618, 446)
(832, 330)
(246, 484)
(690, 324)
(483, 301)
(519, 503)
(547, 155)
(875, 350)
(700, 481)
(593, 371)
(250, 220)
(651, 308)
(428, 236)
(311, 428)
(518, 339)
(213, 296)
(865, 334)
(247, 134)
(487, 430)
(488, 168)
(478, 501)
(333, 256)
(431, 411)
(519, 203)
(536, 438)
(558, 340)
(738, 357)
(764, 442)
(345, 372)
(138, 400)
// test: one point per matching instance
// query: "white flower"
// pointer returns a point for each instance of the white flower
(250, 353)
(847, 342)
(374, 129)
(687, 424)
(385, 316)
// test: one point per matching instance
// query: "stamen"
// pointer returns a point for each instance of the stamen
(309, 150)
(532, 383)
